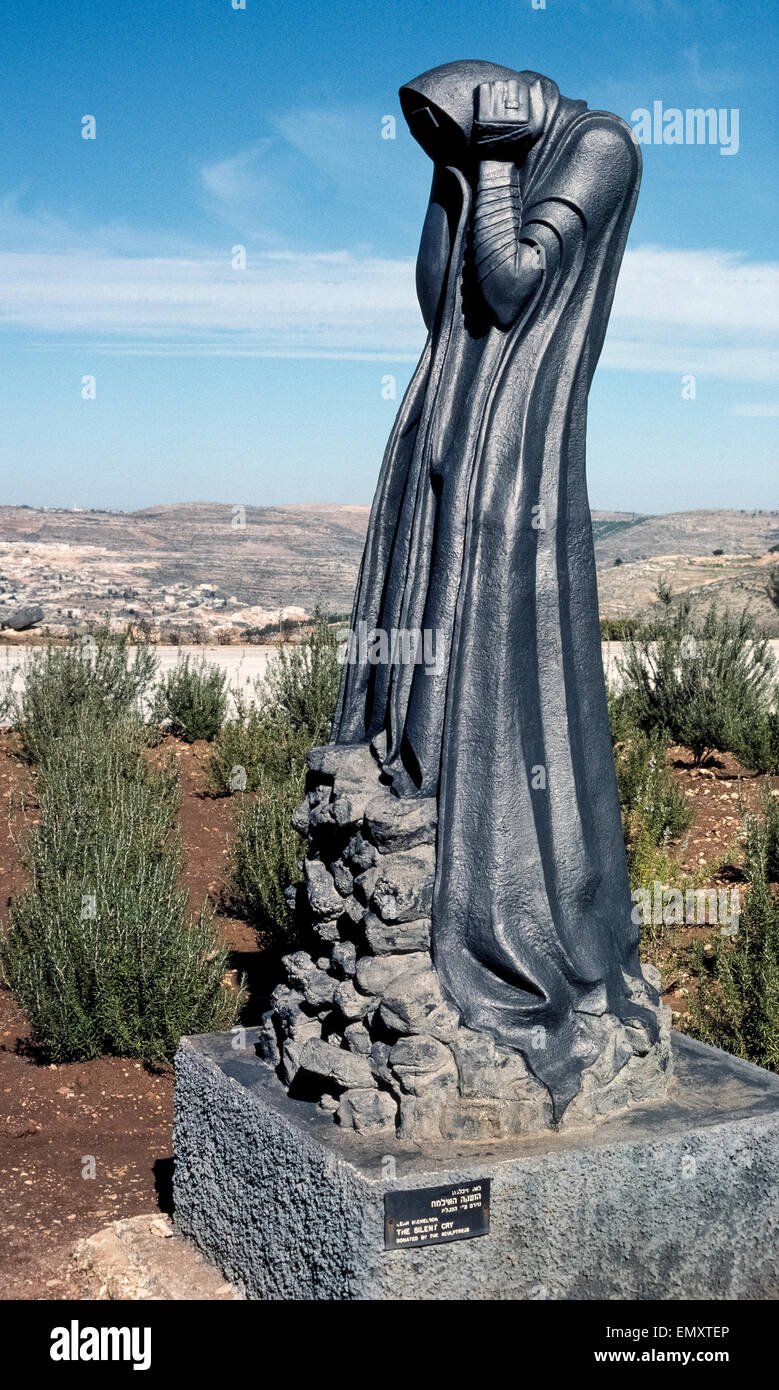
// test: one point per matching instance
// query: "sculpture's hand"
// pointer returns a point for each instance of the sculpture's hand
(508, 116)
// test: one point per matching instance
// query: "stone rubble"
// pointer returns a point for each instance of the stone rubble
(361, 1026)
(142, 1258)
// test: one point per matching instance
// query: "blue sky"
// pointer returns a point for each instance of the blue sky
(262, 127)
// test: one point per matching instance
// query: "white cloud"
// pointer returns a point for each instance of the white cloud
(706, 312)
(680, 357)
(229, 179)
(710, 313)
(759, 410)
(283, 302)
(41, 231)
(701, 290)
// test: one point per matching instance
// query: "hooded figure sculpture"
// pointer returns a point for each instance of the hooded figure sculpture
(480, 534)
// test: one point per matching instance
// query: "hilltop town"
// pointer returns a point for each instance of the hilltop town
(211, 572)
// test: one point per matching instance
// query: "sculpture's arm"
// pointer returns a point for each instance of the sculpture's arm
(434, 249)
(510, 261)
(516, 248)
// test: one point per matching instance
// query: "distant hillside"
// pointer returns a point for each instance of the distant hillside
(631, 537)
(613, 523)
(266, 557)
(212, 566)
(721, 557)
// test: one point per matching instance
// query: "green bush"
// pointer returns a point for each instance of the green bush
(756, 742)
(301, 686)
(267, 740)
(258, 747)
(771, 825)
(648, 792)
(654, 808)
(623, 727)
(191, 700)
(240, 749)
(705, 684)
(264, 750)
(95, 673)
(265, 857)
(737, 1002)
(100, 949)
(618, 629)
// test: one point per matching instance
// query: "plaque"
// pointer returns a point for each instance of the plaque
(434, 1215)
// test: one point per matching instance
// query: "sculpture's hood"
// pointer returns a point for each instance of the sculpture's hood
(449, 92)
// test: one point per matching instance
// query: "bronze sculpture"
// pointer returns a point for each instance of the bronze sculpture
(480, 533)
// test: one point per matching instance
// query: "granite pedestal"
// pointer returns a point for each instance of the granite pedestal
(674, 1199)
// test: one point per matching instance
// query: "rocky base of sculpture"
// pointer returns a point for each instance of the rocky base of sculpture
(675, 1201)
(361, 1027)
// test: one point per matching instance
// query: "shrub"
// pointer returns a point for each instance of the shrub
(623, 726)
(707, 685)
(301, 686)
(267, 740)
(239, 751)
(266, 746)
(647, 788)
(737, 1003)
(265, 857)
(100, 949)
(96, 672)
(654, 809)
(618, 629)
(192, 699)
(283, 629)
(756, 741)
(257, 747)
(771, 825)
(7, 702)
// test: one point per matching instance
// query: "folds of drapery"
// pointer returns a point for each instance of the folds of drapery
(480, 533)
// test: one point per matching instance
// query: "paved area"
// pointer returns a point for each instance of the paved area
(245, 665)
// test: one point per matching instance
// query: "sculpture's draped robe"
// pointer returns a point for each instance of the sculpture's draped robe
(480, 533)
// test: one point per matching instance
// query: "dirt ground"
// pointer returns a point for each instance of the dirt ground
(84, 1144)
(720, 792)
